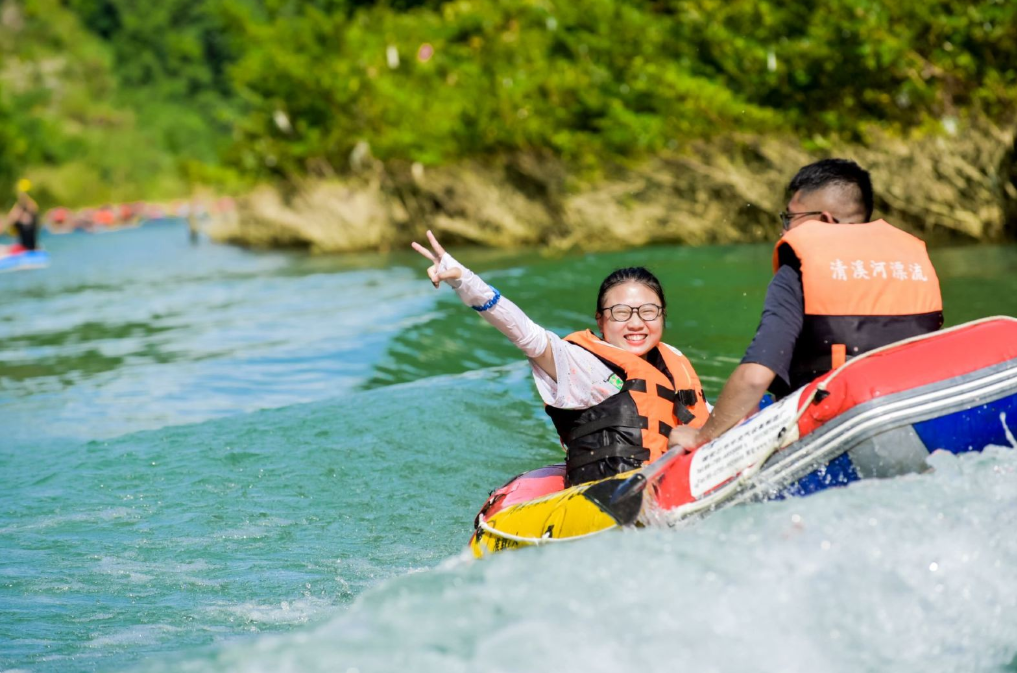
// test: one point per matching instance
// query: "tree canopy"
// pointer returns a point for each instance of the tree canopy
(104, 98)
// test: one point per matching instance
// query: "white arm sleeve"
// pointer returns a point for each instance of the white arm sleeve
(506, 317)
(583, 380)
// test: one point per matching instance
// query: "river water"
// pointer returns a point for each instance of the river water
(219, 460)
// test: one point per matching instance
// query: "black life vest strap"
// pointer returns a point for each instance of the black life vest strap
(578, 458)
(687, 396)
(682, 413)
(618, 420)
(638, 385)
(683, 399)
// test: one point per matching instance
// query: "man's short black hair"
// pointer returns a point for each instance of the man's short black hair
(829, 172)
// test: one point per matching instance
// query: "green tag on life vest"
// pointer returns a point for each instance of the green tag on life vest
(616, 381)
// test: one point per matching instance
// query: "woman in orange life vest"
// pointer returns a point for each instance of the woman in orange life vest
(613, 398)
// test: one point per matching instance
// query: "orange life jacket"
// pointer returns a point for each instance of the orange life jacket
(622, 432)
(864, 286)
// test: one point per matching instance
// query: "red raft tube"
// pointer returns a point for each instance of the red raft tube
(879, 415)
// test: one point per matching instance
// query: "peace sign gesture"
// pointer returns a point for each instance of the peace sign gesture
(435, 255)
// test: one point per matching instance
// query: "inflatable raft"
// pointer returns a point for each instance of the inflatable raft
(878, 415)
(23, 259)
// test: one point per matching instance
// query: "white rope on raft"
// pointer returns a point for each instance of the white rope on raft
(749, 472)
(484, 526)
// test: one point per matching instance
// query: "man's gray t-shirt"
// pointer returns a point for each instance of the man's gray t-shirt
(779, 327)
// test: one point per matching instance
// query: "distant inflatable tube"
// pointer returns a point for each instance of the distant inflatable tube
(878, 415)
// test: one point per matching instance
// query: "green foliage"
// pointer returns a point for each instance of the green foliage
(595, 79)
(13, 148)
(63, 117)
(140, 98)
(837, 67)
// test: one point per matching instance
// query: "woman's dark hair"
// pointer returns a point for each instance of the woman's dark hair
(634, 274)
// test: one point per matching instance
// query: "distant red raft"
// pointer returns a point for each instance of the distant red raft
(879, 415)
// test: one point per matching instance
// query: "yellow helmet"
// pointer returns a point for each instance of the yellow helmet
(24, 185)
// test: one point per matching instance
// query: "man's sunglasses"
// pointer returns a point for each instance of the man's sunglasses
(786, 217)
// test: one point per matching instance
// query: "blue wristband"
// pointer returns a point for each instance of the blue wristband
(489, 303)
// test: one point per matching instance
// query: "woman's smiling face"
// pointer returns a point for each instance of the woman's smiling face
(635, 335)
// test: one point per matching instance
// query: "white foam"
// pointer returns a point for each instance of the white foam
(910, 574)
(297, 611)
(140, 634)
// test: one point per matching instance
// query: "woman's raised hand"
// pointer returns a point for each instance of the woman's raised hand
(435, 254)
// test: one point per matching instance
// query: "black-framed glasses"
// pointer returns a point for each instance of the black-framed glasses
(786, 217)
(622, 312)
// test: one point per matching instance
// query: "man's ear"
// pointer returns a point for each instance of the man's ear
(827, 216)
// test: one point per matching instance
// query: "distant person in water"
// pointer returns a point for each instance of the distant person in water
(613, 398)
(842, 285)
(24, 218)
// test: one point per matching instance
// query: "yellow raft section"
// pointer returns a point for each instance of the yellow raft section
(568, 514)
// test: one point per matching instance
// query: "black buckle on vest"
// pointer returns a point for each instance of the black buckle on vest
(687, 396)
(683, 399)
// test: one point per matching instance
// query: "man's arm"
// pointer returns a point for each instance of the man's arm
(740, 397)
(768, 357)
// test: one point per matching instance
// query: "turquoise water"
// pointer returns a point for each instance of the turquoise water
(213, 459)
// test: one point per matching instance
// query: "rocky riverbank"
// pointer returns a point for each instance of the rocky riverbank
(959, 186)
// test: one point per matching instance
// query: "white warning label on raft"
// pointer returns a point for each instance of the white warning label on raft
(742, 446)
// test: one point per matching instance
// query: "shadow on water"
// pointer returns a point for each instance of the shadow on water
(42, 355)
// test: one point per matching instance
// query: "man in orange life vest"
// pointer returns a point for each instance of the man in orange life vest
(842, 286)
